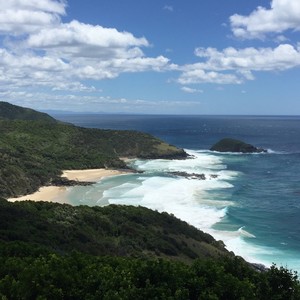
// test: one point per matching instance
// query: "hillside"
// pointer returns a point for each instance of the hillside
(13, 112)
(53, 251)
(111, 230)
(33, 152)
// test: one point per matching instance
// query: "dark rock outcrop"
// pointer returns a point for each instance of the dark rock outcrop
(193, 175)
(63, 181)
(232, 145)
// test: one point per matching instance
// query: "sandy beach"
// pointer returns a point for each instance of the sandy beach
(92, 175)
(59, 194)
(46, 193)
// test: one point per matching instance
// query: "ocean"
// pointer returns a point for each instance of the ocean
(250, 201)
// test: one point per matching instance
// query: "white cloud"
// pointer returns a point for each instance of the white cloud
(193, 75)
(27, 70)
(52, 6)
(281, 16)
(112, 68)
(24, 16)
(283, 57)
(95, 52)
(50, 53)
(191, 90)
(79, 39)
(234, 66)
(74, 86)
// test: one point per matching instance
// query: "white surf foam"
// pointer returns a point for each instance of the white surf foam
(186, 198)
(200, 163)
(176, 196)
(190, 199)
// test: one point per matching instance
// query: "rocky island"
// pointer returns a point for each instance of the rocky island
(233, 145)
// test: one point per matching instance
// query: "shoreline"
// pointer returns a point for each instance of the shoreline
(59, 194)
(91, 175)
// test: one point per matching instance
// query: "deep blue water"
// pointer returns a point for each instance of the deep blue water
(266, 192)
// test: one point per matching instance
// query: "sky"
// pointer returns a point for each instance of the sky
(156, 57)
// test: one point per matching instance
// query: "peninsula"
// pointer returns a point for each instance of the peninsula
(35, 149)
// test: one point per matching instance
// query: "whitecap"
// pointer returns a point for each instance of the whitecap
(245, 233)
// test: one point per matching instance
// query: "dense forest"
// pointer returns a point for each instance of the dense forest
(34, 152)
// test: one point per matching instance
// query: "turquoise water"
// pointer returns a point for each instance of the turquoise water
(253, 204)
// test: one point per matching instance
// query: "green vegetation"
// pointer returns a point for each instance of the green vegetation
(110, 230)
(13, 112)
(79, 276)
(34, 152)
(232, 145)
(51, 251)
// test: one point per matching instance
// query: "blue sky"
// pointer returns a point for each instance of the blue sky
(141, 56)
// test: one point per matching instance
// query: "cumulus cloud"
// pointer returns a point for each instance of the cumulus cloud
(283, 57)
(51, 6)
(281, 16)
(234, 66)
(41, 50)
(24, 16)
(81, 39)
